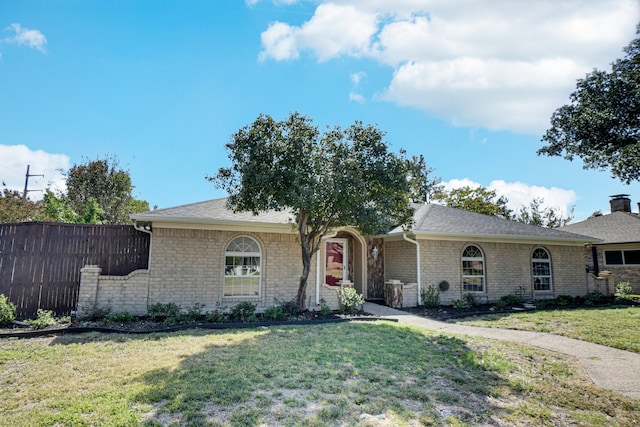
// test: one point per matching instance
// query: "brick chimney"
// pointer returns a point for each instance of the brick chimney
(620, 203)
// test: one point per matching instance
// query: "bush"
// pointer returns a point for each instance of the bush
(325, 310)
(45, 318)
(160, 311)
(274, 312)
(350, 300)
(121, 317)
(509, 300)
(219, 315)
(456, 303)
(244, 312)
(470, 299)
(430, 297)
(624, 289)
(7, 311)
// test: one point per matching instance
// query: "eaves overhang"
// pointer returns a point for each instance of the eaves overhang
(494, 238)
(190, 223)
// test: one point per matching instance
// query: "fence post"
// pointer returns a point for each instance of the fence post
(88, 293)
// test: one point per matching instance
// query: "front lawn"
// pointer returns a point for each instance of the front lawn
(369, 373)
(613, 326)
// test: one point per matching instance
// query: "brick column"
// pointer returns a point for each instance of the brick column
(88, 293)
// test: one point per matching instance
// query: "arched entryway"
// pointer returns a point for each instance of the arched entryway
(343, 257)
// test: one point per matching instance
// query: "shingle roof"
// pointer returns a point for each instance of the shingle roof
(430, 219)
(616, 227)
(215, 210)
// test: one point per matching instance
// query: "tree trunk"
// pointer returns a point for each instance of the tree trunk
(306, 268)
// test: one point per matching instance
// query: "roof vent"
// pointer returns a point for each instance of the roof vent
(620, 203)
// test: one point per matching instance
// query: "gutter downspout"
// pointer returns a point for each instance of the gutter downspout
(328, 236)
(404, 236)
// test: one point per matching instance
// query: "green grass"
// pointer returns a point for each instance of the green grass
(616, 326)
(367, 374)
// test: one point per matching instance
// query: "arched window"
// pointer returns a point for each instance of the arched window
(472, 269)
(541, 268)
(242, 268)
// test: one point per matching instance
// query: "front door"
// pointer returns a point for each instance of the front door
(336, 261)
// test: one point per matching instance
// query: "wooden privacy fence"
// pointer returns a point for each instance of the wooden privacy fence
(40, 262)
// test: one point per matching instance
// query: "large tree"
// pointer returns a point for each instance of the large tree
(16, 208)
(339, 177)
(548, 217)
(476, 199)
(100, 191)
(601, 125)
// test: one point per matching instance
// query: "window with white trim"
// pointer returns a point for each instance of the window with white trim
(622, 257)
(541, 269)
(242, 268)
(472, 269)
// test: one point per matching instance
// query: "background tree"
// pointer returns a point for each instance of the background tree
(423, 188)
(100, 191)
(15, 208)
(601, 125)
(549, 217)
(341, 177)
(479, 199)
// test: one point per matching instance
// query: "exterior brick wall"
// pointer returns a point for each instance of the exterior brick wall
(507, 268)
(622, 273)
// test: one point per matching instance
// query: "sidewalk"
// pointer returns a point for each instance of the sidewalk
(609, 368)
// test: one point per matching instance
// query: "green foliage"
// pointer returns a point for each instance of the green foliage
(623, 290)
(326, 180)
(15, 208)
(479, 200)
(275, 312)
(159, 311)
(350, 300)
(423, 188)
(120, 317)
(244, 312)
(45, 319)
(325, 310)
(99, 191)
(456, 303)
(7, 311)
(430, 297)
(470, 299)
(219, 315)
(601, 125)
(509, 300)
(549, 217)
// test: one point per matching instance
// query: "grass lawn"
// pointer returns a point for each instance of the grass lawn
(616, 326)
(369, 374)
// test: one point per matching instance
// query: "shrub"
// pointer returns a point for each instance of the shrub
(244, 312)
(274, 312)
(219, 315)
(123, 316)
(470, 299)
(350, 300)
(430, 297)
(456, 303)
(160, 311)
(45, 318)
(7, 311)
(623, 289)
(325, 310)
(509, 300)
(564, 300)
(289, 308)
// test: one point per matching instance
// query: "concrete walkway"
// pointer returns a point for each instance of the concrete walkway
(609, 368)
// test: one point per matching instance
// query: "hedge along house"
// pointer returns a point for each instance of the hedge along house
(205, 254)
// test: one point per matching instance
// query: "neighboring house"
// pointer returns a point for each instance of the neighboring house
(203, 253)
(618, 249)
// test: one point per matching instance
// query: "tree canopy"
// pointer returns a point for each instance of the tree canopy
(601, 125)
(16, 208)
(476, 199)
(339, 177)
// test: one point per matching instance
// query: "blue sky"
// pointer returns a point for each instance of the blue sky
(162, 85)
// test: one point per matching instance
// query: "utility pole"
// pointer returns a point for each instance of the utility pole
(26, 183)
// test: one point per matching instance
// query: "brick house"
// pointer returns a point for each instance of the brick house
(617, 251)
(203, 253)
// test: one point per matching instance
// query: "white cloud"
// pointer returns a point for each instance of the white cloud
(494, 64)
(13, 168)
(332, 31)
(25, 36)
(521, 194)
